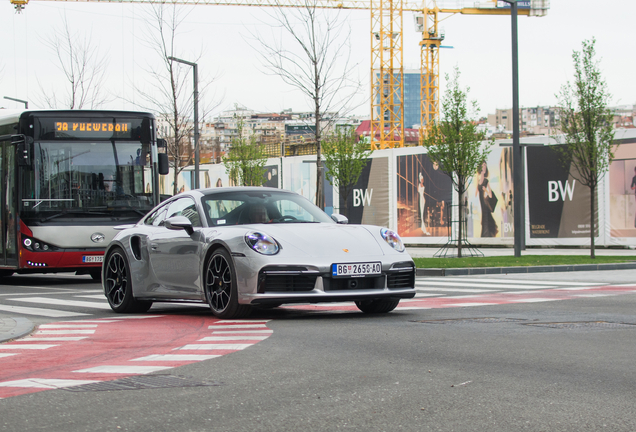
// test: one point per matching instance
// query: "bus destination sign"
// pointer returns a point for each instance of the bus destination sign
(91, 129)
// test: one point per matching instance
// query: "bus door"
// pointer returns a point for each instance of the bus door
(8, 207)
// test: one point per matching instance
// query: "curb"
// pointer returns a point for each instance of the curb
(523, 269)
(14, 328)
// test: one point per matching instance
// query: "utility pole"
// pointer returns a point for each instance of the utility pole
(195, 74)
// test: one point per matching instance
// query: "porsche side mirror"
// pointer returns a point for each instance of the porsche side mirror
(179, 223)
(341, 219)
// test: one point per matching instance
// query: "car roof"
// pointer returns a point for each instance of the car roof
(208, 191)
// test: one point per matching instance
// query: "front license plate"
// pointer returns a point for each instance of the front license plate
(93, 258)
(356, 269)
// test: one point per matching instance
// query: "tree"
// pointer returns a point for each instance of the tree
(455, 144)
(245, 162)
(317, 64)
(82, 68)
(345, 158)
(586, 123)
(171, 93)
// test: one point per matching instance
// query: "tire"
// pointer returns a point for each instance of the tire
(118, 284)
(377, 305)
(220, 287)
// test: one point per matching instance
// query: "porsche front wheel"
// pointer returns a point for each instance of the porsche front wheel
(118, 284)
(220, 287)
(377, 305)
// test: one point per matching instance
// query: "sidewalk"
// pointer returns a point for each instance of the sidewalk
(429, 252)
(14, 328)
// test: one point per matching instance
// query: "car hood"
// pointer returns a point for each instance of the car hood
(320, 239)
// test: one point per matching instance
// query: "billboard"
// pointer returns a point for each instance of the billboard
(559, 205)
(368, 202)
(488, 200)
(424, 197)
(622, 178)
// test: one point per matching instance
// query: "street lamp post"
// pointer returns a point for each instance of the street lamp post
(26, 103)
(517, 167)
(196, 116)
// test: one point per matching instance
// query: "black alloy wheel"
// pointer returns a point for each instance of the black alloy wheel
(220, 287)
(118, 284)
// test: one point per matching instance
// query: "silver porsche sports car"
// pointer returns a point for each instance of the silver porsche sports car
(239, 248)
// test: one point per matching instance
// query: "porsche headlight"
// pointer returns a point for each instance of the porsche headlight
(262, 243)
(393, 239)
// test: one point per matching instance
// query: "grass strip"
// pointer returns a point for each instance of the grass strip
(511, 261)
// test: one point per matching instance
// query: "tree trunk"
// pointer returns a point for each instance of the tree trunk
(344, 195)
(459, 230)
(592, 219)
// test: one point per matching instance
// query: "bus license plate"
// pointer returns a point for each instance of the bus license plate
(93, 258)
(356, 269)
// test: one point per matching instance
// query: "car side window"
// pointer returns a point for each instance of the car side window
(184, 207)
(157, 217)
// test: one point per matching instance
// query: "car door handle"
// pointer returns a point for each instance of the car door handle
(153, 246)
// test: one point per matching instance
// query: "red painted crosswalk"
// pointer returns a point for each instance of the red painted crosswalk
(79, 352)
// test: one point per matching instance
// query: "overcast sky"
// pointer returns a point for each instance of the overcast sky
(219, 36)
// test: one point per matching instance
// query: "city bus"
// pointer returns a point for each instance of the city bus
(68, 179)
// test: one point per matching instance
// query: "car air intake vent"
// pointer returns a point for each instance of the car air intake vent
(365, 283)
(401, 280)
(286, 283)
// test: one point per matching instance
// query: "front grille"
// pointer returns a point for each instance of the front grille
(341, 284)
(401, 280)
(286, 283)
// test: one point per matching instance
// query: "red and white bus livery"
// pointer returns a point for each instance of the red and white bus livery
(68, 178)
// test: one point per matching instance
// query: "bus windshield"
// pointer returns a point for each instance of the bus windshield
(107, 179)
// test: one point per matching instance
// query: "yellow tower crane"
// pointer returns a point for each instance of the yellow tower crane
(387, 73)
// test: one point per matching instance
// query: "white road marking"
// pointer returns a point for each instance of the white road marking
(64, 332)
(242, 331)
(474, 304)
(61, 302)
(509, 280)
(56, 339)
(535, 300)
(67, 326)
(176, 357)
(124, 369)
(45, 383)
(213, 347)
(53, 313)
(7, 354)
(231, 338)
(245, 321)
(468, 290)
(455, 283)
(26, 346)
(237, 326)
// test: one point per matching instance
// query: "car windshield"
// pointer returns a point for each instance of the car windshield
(249, 207)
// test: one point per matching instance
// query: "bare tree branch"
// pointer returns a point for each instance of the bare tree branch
(169, 92)
(78, 59)
(317, 63)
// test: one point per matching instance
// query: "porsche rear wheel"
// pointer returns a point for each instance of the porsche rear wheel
(377, 305)
(220, 287)
(118, 284)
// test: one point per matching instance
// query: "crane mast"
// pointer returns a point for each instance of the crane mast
(387, 74)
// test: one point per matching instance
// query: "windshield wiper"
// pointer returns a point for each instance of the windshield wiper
(75, 213)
